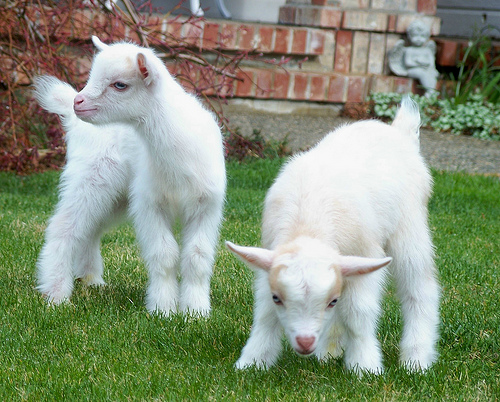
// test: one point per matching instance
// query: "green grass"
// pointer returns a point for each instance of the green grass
(105, 346)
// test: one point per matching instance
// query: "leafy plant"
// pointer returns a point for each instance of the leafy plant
(479, 71)
(475, 117)
(46, 38)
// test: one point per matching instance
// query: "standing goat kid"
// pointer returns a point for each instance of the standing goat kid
(329, 219)
(178, 173)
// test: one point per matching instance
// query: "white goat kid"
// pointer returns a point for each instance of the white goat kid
(363, 192)
(180, 176)
(93, 194)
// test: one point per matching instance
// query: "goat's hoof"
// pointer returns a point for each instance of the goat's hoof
(90, 280)
(55, 300)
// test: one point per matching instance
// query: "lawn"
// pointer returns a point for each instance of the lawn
(105, 346)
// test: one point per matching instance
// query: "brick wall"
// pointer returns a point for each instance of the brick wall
(337, 64)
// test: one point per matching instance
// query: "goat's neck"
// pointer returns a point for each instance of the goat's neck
(161, 128)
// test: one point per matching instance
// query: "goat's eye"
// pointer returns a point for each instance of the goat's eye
(277, 300)
(332, 303)
(120, 86)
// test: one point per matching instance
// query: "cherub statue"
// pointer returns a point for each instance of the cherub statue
(418, 59)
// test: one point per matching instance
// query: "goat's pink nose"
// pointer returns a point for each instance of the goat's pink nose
(79, 99)
(305, 342)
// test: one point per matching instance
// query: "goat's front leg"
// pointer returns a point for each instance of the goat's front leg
(265, 344)
(160, 251)
(330, 342)
(359, 308)
(199, 242)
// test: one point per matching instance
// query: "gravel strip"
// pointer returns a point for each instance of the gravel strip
(302, 130)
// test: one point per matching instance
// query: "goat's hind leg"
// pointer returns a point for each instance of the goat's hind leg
(71, 246)
(88, 262)
(87, 205)
(418, 291)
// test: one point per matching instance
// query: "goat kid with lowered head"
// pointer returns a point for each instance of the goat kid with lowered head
(329, 219)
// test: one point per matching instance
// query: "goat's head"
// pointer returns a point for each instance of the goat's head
(305, 282)
(120, 85)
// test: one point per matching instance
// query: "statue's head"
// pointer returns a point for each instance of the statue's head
(418, 33)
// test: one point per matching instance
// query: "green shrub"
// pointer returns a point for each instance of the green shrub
(479, 72)
(475, 117)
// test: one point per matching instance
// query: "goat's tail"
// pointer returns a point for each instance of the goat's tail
(54, 95)
(408, 118)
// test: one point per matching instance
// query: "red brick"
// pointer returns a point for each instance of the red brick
(246, 37)
(281, 83)
(264, 83)
(319, 2)
(317, 42)
(287, 15)
(154, 27)
(203, 83)
(193, 33)
(173, 30)
(364, 20)
(391, 23)
(343, 51)
(227, 87)
(211, 35)
(318, 87)
(356, 89)
(228, 36)
(188, 78)
(245, 88)
(282, 40)
(359, 55)
(131, 35)
(402, 85)
(265, 43)
(376, 54)
(172, 68)
(299, 41)
(330, 18)
(496, 50)
(337, 88)
(307, 15)
(428, 7)
(154, 23)
(462, 48)
(300, 86)
(447, 52)
(381, 83)
(358, 4)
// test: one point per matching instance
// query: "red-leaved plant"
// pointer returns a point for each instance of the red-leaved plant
(48, 37)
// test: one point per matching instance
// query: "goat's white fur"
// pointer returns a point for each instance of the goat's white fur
(94, 187)
(178, 174)
(362, 191)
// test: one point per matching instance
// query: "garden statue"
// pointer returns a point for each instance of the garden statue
(418, 59)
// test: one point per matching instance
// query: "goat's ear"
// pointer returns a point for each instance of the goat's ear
(146, 72)
(361, 265)
(98, 44)
(253, 256)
